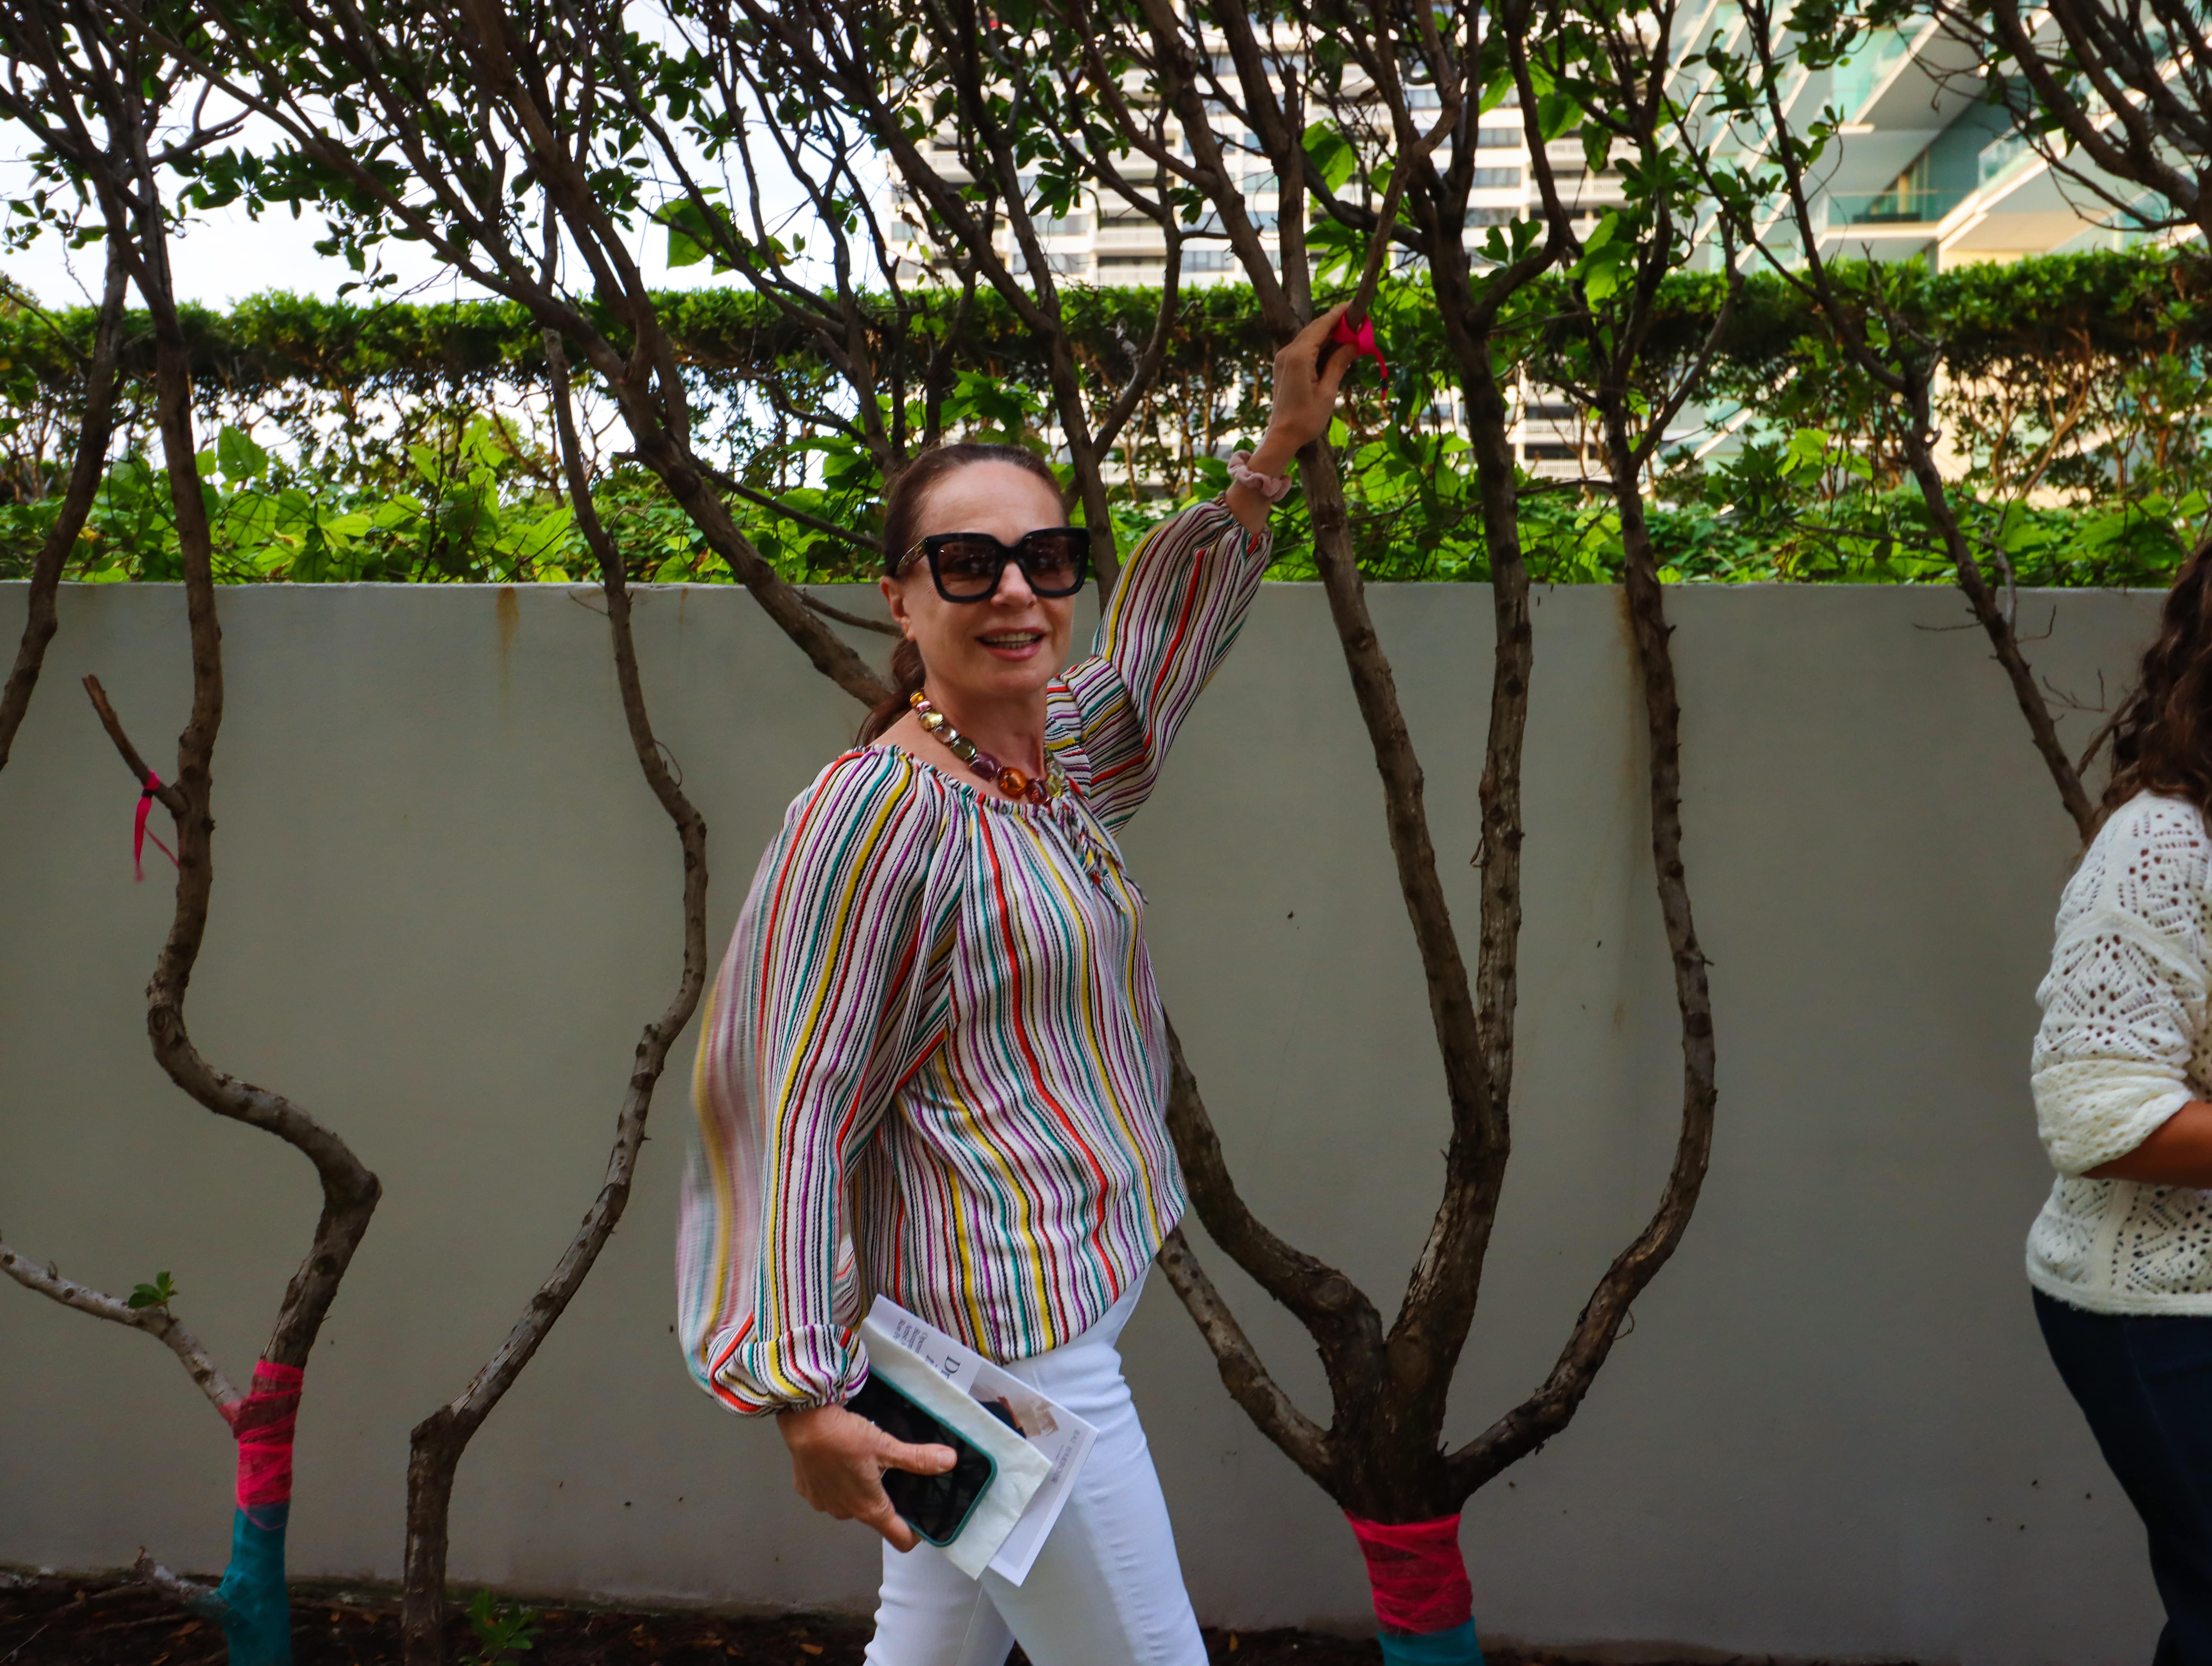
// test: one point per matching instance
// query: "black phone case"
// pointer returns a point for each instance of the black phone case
(935, 1506)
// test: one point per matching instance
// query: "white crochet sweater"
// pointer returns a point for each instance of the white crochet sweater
(2126, 1042)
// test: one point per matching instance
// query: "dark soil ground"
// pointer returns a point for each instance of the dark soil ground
(59, 1621)
(85, 1622)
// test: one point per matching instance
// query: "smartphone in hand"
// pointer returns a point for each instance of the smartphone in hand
(935, 1506)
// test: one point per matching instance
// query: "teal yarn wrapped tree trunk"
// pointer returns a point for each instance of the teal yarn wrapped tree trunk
(112, 116)
(253, 1602)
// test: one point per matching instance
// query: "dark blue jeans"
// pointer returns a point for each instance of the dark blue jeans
(2145, 1387)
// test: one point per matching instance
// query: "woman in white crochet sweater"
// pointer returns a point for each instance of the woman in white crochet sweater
(2120, 1256)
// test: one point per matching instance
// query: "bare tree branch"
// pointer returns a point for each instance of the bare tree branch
(881, 627)
(1302, 1440)
(736, 487)
(165, 794)
(94, 430)
(438, 1442)
(1610, 334)
(157, 1322)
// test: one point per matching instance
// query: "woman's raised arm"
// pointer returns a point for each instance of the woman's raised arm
(1184, 595)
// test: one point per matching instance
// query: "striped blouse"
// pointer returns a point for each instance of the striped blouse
(933, 1064)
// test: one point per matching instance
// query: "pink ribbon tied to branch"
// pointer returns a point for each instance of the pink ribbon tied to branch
(139, 833)
(1361, 340)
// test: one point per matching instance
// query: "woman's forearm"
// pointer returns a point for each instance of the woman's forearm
(2178, 1153)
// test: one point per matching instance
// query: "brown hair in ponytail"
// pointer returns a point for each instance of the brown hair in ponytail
(907, 674)
(2162, 733)
(902, 531)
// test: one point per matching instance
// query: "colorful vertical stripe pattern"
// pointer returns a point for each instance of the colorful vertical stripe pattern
(933, 1064)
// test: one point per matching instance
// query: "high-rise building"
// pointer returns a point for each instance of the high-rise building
(1926, 166)
(1923, 166)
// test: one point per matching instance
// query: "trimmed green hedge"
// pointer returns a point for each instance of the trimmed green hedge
(382, 442)
(2119, 303)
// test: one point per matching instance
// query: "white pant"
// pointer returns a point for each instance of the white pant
(1106, 1590)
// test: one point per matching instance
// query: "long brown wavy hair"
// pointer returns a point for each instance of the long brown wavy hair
(2161, 736)
(902, 523)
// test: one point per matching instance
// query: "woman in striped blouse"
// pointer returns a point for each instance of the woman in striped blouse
(933, 1065)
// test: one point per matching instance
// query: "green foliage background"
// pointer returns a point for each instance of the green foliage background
(402, 442)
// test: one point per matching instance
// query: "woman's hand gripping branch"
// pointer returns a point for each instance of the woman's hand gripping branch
(837, 1463)
(1307, 376)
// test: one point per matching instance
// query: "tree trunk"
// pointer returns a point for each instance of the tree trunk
(434, 1454)
(1424, 1602)
(86, 472)
(440, 1440)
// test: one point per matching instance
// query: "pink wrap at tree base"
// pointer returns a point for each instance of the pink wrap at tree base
(263, 1422)
(1417, 1575)
(253, 1600)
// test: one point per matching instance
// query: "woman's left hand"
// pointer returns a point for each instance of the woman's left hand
(1305, 402)
(1305, 392)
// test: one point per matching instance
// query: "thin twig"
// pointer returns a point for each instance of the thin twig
(157, 1322)
(882, 627)
(166, 794)
(203, 1600)
(776, 506)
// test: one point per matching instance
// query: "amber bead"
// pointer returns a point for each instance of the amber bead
(1013, 783)
(918, 700)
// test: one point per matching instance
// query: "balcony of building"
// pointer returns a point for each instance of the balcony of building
(1925, 166)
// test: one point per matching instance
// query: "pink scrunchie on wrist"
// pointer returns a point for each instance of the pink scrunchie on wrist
(1273, 487)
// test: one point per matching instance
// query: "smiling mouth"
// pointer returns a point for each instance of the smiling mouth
(1011, 641)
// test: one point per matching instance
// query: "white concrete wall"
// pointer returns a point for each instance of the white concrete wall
(445, 902)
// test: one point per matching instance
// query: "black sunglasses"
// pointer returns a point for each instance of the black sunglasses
(966, 567)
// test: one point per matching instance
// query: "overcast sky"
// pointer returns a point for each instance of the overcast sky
(225, 256)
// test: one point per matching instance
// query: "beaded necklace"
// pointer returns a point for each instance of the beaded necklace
(1015, 783)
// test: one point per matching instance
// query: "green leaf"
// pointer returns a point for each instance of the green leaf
(1501, 84)
(239, 458)
(1332, 155)
(501, 1631)
(160, 1293)
(1807, 449)
(692, 237)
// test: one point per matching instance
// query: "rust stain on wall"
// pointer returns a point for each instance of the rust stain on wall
(510, 617)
